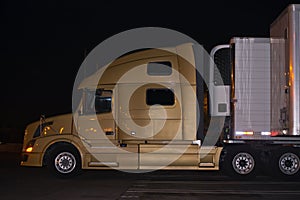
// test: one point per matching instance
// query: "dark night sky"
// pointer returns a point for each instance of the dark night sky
(43, 42)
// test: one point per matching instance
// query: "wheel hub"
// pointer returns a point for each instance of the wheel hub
(65, 162)
(288, 163)
(243, 163)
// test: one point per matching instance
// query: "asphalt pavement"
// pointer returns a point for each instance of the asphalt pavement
(37, 183)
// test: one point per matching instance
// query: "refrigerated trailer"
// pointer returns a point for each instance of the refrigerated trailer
(152, 109)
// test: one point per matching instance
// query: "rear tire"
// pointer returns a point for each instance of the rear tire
(64, 161)
(239, 162)
(286, 164)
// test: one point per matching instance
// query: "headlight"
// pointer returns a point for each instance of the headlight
(29, 146)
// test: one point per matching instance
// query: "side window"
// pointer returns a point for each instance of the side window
(160, 96)
(163, 68)
(98, 101)
(103, 101)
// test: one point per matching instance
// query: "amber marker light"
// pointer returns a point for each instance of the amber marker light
(29, 149)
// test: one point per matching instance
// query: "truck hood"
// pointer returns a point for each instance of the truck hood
(60, 124)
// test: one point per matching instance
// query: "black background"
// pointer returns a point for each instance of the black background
(43, 43)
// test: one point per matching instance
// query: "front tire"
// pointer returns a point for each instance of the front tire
(64, 161)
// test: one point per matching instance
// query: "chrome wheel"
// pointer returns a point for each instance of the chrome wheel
(289, 163)
(65, 162)
(243, 163)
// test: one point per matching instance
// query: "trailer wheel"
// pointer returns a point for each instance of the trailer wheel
(287, 163)
(64, 161)
(239, 162)
(243, 163)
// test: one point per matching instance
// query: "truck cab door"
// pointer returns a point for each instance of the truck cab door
(96, 124)
(97, 130)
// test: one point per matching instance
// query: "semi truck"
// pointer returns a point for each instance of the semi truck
(245, 102)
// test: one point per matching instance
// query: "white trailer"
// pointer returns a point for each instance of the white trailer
(264, 123)
(286, 72)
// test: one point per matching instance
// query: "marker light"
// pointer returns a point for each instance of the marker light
(244, 133)
(29, 146)
(29, 149)
(274, 133)
(266, 133)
